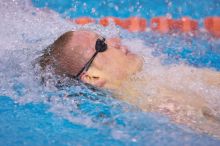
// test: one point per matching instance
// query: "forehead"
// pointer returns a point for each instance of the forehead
(84, 35)
(83, 42)
(83, 39)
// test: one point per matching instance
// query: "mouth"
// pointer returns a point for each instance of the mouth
(140, 63)
(127, 52)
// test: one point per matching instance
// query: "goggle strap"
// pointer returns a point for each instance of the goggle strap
(88, 64)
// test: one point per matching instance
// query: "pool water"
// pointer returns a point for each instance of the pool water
(32, 114)
(124, 8)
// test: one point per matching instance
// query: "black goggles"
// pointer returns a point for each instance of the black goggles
(100, 46)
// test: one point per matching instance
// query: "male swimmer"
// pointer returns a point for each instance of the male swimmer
(71, 51)
(106, 63)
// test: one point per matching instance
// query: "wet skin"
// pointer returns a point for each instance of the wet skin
(114, 68)
(110, 68)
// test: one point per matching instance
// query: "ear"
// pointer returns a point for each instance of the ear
(93, 80)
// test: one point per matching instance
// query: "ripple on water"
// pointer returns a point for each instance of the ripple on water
(34, 110)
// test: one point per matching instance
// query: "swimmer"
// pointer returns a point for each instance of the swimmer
(106, 63)
(71, 51)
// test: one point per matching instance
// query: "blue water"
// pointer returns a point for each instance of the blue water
(95, 117)
(32, 124)
(197, 51)
(124, 8)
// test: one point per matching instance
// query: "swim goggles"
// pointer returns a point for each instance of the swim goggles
(100, 46)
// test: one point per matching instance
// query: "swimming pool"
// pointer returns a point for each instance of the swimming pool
(35, 115)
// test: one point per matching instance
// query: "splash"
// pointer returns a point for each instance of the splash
(25, 31)
(188, 95)
(24, 34)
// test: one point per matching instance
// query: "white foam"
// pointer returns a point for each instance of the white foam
(25, 31)
(190, 87)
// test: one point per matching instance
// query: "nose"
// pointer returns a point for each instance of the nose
(116, 43)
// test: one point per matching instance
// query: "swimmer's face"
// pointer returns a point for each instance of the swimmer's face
(111, 67)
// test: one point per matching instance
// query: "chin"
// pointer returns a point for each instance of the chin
(141, 63)
(138, 63)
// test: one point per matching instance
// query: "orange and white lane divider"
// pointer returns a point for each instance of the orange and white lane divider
(185, 25)
(133, 24)
(166, 25)
(212, 25)
(105, 21)
(158, 24)
(161, 24)
(84, 20)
